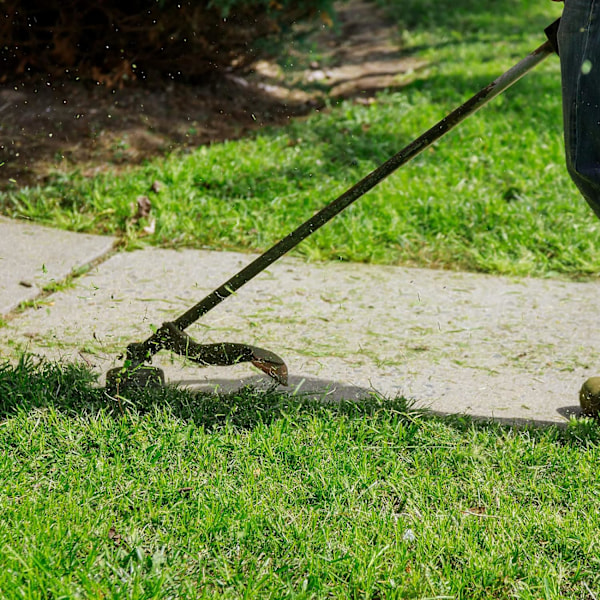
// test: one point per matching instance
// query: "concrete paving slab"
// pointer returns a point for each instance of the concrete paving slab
(513, 349)
(33, 256)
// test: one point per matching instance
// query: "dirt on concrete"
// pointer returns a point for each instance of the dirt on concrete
(52, 125)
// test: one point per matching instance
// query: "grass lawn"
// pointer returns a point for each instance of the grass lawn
(493, 196)
(266, 496)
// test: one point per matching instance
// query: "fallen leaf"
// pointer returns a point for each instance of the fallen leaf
(477, 510)
(144, 206)
(114, 536)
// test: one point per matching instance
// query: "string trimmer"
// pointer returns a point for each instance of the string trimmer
(171, 336)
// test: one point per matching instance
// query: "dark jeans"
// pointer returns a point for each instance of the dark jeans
(579, 47)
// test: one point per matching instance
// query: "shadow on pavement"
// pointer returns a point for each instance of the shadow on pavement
(329, 391)
(302, 387)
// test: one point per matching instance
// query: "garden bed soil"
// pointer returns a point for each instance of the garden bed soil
(50, 125)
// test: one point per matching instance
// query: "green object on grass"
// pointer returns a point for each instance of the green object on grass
(589, 397)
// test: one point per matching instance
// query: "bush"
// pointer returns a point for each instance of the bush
(111, 42)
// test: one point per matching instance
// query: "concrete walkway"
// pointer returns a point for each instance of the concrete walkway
(512, 349)
(34, 257)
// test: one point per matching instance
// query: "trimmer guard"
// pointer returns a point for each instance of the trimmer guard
(137, 374)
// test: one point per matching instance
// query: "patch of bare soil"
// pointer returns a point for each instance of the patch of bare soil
(49, 126)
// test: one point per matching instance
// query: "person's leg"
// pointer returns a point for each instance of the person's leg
(579, 49)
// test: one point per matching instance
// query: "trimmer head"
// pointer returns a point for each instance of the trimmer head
(135, 374)
(122, 379)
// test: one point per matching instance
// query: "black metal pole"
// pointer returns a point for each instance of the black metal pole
(142, 351)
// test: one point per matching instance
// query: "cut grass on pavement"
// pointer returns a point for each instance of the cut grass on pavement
(256, 495)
